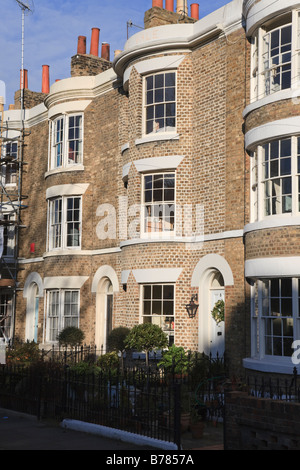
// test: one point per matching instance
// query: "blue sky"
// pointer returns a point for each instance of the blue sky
(52, 30)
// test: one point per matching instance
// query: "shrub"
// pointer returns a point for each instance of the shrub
(146, 337)
(175, 359)
(70, 336)
(26, 353)
(116, 339)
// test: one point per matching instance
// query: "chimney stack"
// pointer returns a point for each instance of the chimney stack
(158, 3)
(170, 5)
(24, 79)
(81, 47)
(195, 11)
(95, 42)
(45, 80)
(105, 51)
(182, 7)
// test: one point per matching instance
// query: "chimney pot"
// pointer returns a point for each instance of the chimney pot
(105, 51)
(158, 3)
(95, 41)
(170, 5)
(25, 79)
(195, 11)
(81, 46)
(45, 79)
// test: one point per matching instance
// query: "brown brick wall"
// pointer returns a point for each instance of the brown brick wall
(260, 424)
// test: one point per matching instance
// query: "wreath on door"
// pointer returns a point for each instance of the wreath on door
(218, 312)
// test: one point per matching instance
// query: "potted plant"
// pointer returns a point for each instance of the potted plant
(198, 413)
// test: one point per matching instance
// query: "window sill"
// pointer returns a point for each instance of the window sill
(272, 98)
(157, 137)
(280, 220)
(271, 364)
(55, 171)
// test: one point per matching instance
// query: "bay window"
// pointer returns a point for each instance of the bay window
(62, 312)
(67, 141)
(159, 202)
(275, 178)
(65, 222)
(275, 316)
(158, 307)
(275, 56)
(160, 102)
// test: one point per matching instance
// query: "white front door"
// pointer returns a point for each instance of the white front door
(217, 337)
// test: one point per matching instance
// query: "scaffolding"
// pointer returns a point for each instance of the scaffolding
(11, 207)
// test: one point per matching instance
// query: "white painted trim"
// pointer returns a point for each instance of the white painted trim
(33, 278)
(125, 172)
(277, 365)
(288, 266)
(64, 282)
(162, 237)
(276, 221)
(271, 130)
(76, 189)
(105, 272)
(78, 252)
(153, 65)
(125, 147)
(269, 99)
(67, 169)
(209, 262)
(155, 137)
(158, 163)
(161, 275)
(30, 260)
(125, 276)
(264, 10)
(112, 433)
(68, 107)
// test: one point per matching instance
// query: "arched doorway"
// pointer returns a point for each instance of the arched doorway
(104, 313)
(105, 284)
(33, 291)
(211, 275)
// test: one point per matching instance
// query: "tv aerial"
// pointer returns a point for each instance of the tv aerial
(26, 8)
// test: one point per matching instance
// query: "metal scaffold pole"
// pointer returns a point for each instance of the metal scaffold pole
(11, 204)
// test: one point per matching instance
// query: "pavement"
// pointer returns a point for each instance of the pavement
(20, 431)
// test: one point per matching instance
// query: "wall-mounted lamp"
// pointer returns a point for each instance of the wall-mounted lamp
(192, 308)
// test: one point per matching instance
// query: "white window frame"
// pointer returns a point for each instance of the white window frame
(157, 233)
(63, 235)
(259, 330)
(65, 162)
(162, 130)
(258, 181)
(160, 320)
(60, 313)
(257, 69)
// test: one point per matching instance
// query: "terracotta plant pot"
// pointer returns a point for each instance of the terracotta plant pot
(197, 429)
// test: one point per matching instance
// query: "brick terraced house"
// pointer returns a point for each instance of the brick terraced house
(170, 173)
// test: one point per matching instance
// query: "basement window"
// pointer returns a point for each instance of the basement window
(66, 141)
